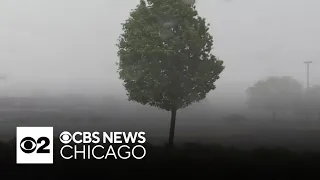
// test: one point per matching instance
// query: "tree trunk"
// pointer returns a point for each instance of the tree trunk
(172, 126)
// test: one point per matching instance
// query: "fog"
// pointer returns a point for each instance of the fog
(68, 49)
(69, 46)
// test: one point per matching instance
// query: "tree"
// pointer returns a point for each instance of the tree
(165, 56)
(275, 94)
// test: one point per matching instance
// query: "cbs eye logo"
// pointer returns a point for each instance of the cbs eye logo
(65, 137)
(29, 145)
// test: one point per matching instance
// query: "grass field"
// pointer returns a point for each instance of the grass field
(185, 161)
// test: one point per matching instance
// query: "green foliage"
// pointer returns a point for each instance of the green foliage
(165, 55)
(275, 93)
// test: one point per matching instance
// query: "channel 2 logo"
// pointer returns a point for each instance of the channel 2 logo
(34, 145)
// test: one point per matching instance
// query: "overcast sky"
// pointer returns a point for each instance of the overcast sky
(69, 45)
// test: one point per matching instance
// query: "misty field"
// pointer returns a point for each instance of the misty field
(204, 124)
(184, 161)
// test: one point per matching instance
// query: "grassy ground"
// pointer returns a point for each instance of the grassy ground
(186, 161)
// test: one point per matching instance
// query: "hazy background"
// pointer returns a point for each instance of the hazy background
(64, 48)
(51, 47)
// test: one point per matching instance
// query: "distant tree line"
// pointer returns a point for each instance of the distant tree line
(279, 94)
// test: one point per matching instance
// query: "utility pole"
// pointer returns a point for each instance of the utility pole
(308, 85)
(308, 63)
